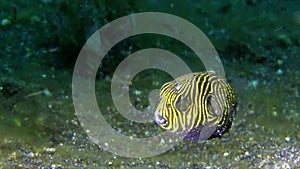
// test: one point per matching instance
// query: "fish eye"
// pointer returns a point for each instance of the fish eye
(182, 103)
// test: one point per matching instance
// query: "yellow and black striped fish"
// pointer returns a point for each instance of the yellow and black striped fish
(196, 106)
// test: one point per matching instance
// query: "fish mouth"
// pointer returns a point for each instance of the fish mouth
(158, 119)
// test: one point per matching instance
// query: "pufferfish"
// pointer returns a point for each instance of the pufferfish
(196, 106)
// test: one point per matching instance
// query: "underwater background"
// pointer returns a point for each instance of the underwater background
(258, 43)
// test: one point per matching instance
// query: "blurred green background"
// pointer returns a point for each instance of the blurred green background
(258, 42)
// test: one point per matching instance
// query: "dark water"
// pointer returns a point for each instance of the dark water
(257, 41)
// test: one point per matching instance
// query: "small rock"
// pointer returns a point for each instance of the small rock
(279, 71)
(279, 62)
(46, 92)
(284, 39)
(285, 165)
(35, 19)
(50, 150)
(275, 113)
(12, 156)
(137, 92)
(5, 22)
(30, 155)
(287, 139)
(253, 83)
(226, 154)
(110, 163)
(54, 166)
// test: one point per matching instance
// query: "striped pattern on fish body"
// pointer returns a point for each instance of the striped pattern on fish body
(196, 106)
